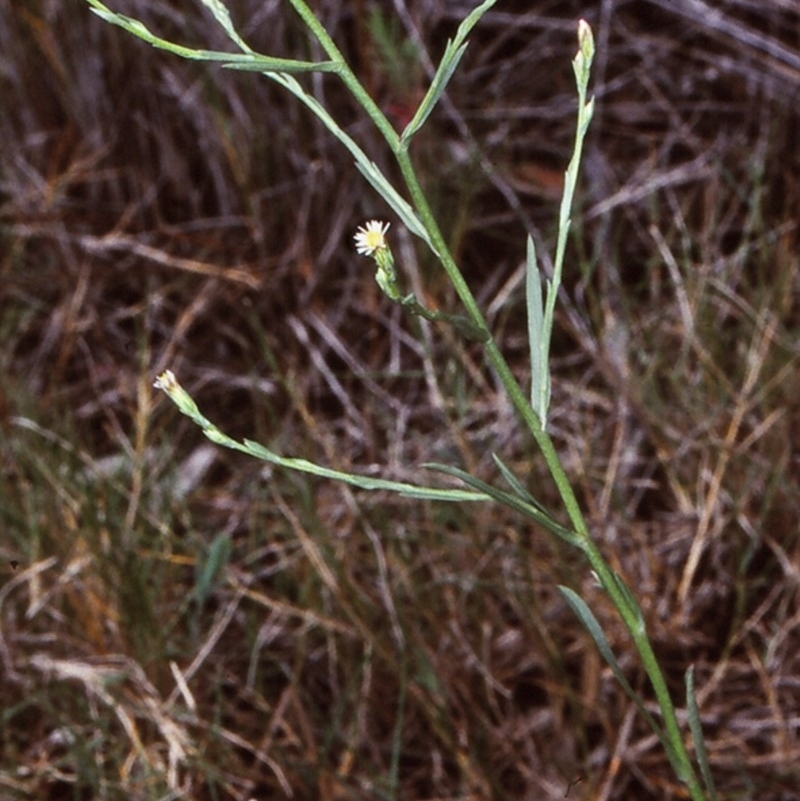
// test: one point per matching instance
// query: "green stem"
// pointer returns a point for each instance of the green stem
(605, 575)
(347, 75)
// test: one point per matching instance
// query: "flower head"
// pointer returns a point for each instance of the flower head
(166, 381)
(371, 238)
(178, 395)
(586, 40)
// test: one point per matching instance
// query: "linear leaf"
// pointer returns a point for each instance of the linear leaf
(447, 66)
(538, 336)
(396, 201)
(584, 614)
(253, 62)
(517, 485)
(208, 572)
(241, 61)
(362, 482)
(697, 735)
(513, 502)
(187, 406)
(223, 17)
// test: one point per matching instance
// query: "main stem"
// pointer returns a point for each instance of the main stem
(545, 443)
(604, 573)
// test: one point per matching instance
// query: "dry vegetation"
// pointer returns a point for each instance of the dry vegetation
(176, 622)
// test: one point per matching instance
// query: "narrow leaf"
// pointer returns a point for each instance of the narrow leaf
(513, 502)
(472, 19)
(253, 62)
(223, 17)
(517, 485)
(696, 728)
(442, 77)
(447, 66)
(630, 601)
(365, 166)
(240, 61)
(219, 554)
(187, 406)
(362, 482)
(589, 621)
(396, 201)
(538, 337)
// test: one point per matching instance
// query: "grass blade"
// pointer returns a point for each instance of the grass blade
(697, 735)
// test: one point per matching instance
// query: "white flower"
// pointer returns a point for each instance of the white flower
(166, 381)
(371, 237)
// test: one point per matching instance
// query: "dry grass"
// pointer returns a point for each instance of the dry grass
(177, 623)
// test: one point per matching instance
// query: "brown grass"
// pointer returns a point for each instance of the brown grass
(179, 622)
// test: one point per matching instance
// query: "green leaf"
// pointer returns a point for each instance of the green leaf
(207, 574)
(253, 62)
(447, 66)
(697, 735)
(362, 482)
(517, 485)
(530, 510)
(589, 621)
(396, 201)
(365, 166)
(538, 336)
(239, 61)
(223, 17)
(442, 77)
(630, 601)
(186, 404)
(540, 324)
